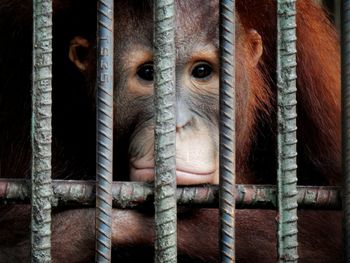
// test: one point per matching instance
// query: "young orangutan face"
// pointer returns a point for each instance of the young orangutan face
(197, 91)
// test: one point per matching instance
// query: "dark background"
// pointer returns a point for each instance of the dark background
(333, 7)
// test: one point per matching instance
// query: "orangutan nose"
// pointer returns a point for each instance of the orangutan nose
(184, 116)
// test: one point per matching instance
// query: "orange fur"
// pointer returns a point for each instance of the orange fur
(318, 82)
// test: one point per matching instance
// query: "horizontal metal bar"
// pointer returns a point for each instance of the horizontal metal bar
(133, 194)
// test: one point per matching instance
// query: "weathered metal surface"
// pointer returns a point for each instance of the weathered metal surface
(41, 134)
(287, 132)
(133, 194)
(227, 131)
(345, 39)
(165, 132)
(104, 157)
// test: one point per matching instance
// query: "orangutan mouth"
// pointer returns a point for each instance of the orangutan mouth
(184, 175)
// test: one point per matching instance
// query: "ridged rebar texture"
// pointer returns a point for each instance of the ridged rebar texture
(165, 132)
(41, 132)
(345, 47)
(104, 157)
(134, 194)
(227, 131)
(287, 132)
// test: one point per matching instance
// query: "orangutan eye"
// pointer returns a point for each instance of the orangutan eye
(202, 71)
(145, 72)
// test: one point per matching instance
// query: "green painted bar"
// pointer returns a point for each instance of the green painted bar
(287, 132)
(165, 132)
(41, 191)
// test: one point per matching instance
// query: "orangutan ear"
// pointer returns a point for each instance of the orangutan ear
(255, 46)
(78, 52)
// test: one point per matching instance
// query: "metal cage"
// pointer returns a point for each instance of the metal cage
(286, 196)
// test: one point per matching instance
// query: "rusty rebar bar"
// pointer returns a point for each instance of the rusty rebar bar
(227, 131)
(41, 134)
(104, 147)
(287, 132)
(134, 194)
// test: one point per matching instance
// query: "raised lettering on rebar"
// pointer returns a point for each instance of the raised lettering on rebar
(104, 158)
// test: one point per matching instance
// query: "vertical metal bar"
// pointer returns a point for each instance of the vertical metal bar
(227, 130)
(345, 75)
(104, 158)
(287, 132)
(41, 134)
(165, 132)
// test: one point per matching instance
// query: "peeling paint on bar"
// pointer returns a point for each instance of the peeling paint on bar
(227, 131)
(41, 189)
(133, 194)
(165, 133)
(104, 147)
(287, 132)
(345, 39)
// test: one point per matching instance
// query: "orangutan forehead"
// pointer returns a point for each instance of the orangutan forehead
(195, 22)
(197, 17)
(186, 9)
